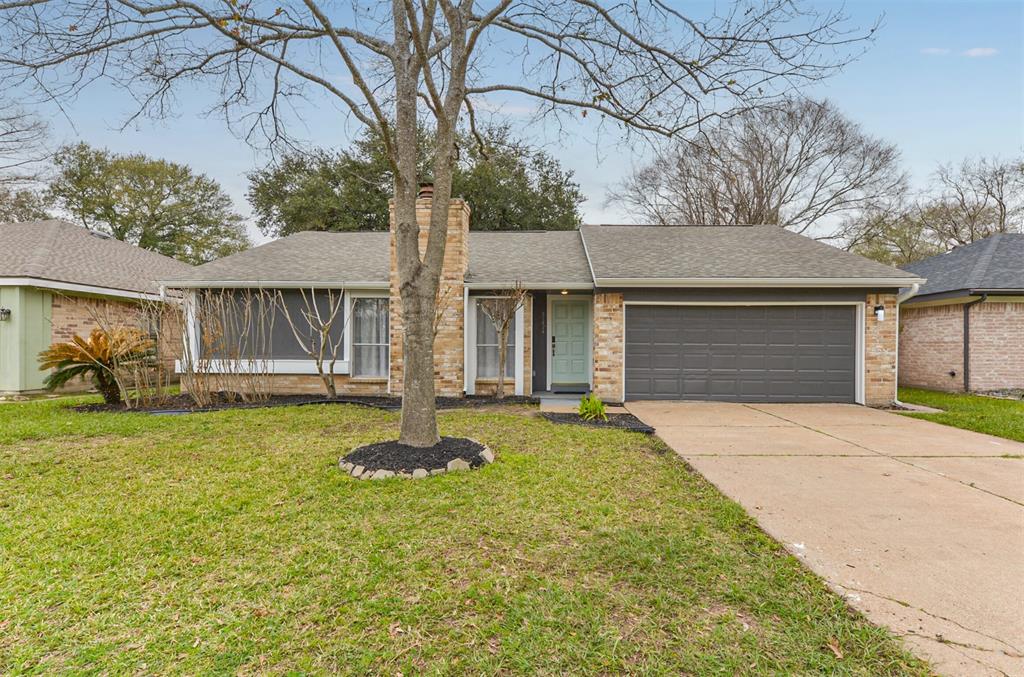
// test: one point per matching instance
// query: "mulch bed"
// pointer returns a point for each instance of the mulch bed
(401, 458)
(183, 404)
(620, 421)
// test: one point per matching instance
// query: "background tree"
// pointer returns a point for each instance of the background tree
(800, 164)
(637, 68)
(22, 205)
(23, 144)
(155, 204)
(509, 185)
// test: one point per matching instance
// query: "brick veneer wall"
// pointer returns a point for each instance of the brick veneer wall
(880, 350)
(609, 331)
(931, 346)
(310, 384)
(77, 315)
(448, 345)
(997, 345)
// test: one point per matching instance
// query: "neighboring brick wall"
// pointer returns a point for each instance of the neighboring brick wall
(880, 351)
(932, 345)
(997, 345)
(79, 315)
(448, 345)
(609, 330)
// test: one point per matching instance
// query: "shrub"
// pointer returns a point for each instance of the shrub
(99, 356)
(592, 408)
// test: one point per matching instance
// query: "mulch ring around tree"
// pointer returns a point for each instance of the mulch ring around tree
(183, 404)
(620, 421)
(392, 459)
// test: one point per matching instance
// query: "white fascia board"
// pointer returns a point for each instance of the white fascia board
(759, 282)
(79, 288)
(270, 284)
(539, 286)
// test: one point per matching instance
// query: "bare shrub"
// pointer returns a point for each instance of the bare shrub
(313, 328)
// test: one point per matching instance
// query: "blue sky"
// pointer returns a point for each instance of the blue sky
(943, 80)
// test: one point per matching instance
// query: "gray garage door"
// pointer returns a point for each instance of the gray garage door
(741, 353)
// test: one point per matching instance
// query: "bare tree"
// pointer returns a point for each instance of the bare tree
(501, 310)
(23, 139)
(320, 331)
(800, 164)
(640, 67)
(979, 198)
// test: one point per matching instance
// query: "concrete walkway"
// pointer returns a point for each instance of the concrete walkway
(919, 525)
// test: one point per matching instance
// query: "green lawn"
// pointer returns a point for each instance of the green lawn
(231, 543)
(1004, 418)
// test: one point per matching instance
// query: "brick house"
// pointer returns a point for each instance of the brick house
(56, 279)
(731, 313)
(964, 329)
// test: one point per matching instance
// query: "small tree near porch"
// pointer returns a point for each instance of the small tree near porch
(501, 310)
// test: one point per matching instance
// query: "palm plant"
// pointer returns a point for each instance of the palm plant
(98, 357)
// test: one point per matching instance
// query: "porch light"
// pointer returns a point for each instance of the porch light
(565, 292)
(5, 314)
(880, 313)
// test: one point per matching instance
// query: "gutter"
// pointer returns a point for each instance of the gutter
(967, 340)
(907, 295)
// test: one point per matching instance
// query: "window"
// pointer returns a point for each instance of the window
(487, 347)
(370, 337)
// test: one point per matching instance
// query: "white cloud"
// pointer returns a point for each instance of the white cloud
(935, 51)
(975, 52)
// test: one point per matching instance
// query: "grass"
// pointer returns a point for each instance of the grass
(230, 542)
(1003, 418)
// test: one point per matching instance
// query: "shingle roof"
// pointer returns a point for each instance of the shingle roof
(58, 251)
(992, 264)
(314, 257)
(531, 257)
(722, 252)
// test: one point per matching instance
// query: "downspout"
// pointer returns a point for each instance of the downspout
(967, 340)
(900, 298)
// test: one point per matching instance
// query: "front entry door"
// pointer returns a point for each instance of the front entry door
(570, 333)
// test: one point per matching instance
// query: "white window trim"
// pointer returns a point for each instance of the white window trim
(553, 298)
(470, 345)
(351, 296)
(859, 328)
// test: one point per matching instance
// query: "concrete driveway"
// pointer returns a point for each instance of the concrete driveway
(920, 526)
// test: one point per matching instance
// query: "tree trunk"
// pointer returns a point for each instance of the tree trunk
(499, 392)
(419, 409)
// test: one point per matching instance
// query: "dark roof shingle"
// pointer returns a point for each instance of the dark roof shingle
(995, 263)
(59, 251)
(531, 257)
(721, 252)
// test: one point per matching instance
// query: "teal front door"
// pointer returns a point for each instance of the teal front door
(570, 339)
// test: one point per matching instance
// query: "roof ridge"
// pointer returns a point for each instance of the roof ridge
(980, 268)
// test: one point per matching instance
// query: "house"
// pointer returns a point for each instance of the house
(732, 313)
(54, 278)
(964, 329)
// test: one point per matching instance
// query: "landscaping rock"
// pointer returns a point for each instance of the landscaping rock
(487, 455)
(346, 466)
(419, 473)
(438, 471)
(382, 475)
(357, 470)
(457, 464)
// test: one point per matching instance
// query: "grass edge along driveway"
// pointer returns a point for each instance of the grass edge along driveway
(230, 542)
(990, 415)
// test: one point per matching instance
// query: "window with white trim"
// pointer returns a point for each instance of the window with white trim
(487, 347)
(370, 337)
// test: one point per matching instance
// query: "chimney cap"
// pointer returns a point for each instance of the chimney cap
(426, 190)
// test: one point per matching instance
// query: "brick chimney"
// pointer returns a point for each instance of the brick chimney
(449, 359)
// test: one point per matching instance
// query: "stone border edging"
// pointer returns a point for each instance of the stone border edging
(360, 472)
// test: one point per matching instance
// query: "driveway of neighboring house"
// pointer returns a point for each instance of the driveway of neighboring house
(919, 525)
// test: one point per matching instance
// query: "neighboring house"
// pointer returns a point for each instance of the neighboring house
(964, 329)
(54, 276)
(725, 313)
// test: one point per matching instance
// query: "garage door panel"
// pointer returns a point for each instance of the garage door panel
(741, 353)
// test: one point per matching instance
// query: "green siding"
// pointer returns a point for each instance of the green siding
(22, 337)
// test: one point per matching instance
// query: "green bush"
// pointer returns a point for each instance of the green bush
(592, 408)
